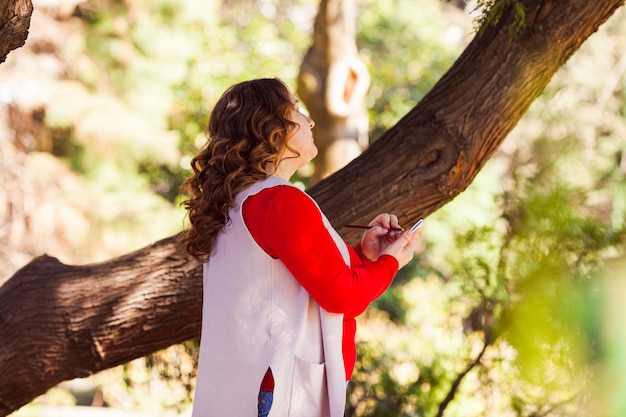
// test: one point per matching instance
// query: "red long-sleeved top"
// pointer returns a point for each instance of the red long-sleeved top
(288, 225)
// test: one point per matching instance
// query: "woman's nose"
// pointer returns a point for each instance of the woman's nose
(311, 122)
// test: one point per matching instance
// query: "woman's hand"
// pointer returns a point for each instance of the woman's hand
(380, 240)
(375, 240)
(403, 248)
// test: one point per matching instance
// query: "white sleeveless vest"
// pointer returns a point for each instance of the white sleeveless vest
(256, 315)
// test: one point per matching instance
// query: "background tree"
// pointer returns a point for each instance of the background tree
(332, 83)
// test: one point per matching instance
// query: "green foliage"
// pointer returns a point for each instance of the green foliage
(610, 380)
(514, 262)
(494, 10)
(407, 45)
(525, 283)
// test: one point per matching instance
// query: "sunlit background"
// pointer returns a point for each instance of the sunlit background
(514, 305)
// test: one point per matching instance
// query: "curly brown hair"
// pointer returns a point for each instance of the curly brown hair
(247, 134)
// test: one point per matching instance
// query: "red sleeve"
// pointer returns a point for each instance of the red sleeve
(288, 225)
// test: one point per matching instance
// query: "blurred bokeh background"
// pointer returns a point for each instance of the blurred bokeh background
(516, 302)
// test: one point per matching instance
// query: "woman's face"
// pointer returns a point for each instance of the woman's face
(301, 139)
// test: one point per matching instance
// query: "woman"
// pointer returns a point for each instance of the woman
(281, 288)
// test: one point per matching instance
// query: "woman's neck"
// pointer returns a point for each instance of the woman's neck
(285, 170)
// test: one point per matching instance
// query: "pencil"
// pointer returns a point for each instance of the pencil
(358, 226)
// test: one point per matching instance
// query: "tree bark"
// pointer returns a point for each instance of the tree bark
(59, 322)
(332, 84)
(14, 23)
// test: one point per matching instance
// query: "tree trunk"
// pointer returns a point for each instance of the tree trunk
(59, 322)
(14, 23)
(332, 84)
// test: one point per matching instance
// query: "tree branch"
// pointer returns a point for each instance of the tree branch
(459, 378)
(14, 22)
(59, 322)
